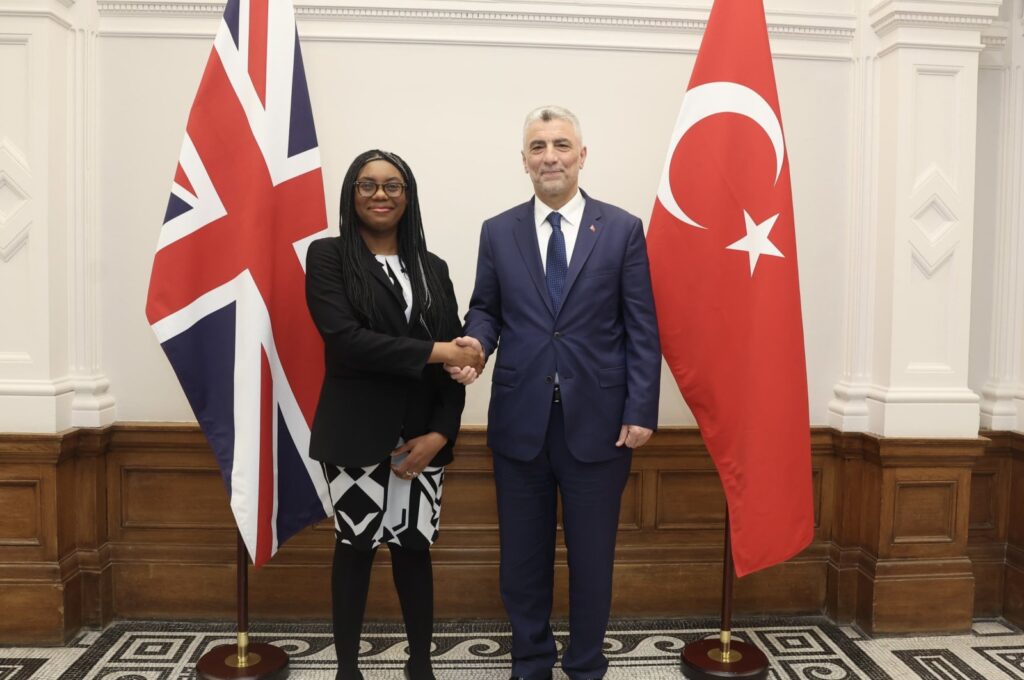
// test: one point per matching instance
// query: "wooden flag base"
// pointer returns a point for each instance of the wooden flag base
(703, 660)
(263, 662)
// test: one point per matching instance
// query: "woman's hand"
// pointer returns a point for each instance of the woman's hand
(421, 450)
(459, 355)
(465, 356)
(465, 375)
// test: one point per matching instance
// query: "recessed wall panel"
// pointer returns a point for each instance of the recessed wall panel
(20, 520)
(936, 125)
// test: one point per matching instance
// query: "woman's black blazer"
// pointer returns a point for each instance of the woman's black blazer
(377, 384)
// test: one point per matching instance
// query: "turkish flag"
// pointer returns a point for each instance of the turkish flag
(722, 248)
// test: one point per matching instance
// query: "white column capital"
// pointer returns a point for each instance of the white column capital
(932, 24)
(889, 15)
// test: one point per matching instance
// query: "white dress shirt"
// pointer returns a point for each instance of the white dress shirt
(572, 215)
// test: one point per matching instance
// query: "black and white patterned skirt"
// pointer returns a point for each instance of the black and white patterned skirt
(372, 505)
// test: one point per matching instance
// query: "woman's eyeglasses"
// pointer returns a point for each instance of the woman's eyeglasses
(368, 189)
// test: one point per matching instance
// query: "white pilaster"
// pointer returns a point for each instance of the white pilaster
(50, 378)
(93, 404)
(1002, 403)
(848, 411)
(918, 217)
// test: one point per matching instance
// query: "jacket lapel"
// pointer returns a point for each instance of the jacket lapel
(586, 238)
(378, 273)
(414, 318)
(525, 232)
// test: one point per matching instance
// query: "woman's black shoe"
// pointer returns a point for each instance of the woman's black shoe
(410, 674)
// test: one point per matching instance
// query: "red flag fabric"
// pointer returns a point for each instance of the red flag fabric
(722, 247)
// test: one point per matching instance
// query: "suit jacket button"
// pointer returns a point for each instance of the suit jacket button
(549, 379)
(557, 335)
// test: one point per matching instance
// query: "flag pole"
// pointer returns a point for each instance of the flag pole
(244, 660)
(714, 659)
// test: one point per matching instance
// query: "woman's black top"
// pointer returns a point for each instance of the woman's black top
(377, 383)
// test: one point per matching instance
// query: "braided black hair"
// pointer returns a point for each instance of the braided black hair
(428, 290)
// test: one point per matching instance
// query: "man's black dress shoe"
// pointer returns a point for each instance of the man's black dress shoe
(519, 677)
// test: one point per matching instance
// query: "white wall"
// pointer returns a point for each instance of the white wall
(449, 96)
(446, 83)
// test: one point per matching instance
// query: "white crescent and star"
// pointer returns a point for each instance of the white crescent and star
(708, 100)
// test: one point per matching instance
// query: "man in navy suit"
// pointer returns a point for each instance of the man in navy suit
(563, 292)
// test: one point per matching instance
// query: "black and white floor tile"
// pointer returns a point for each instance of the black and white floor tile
(798, 649)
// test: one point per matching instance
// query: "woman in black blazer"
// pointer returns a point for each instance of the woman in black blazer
(388, 414)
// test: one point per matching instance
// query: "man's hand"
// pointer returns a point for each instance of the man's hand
(421, 450)
(466, 375)
(633, 436)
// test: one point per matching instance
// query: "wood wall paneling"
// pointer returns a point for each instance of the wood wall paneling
(914, 572)
(845, 547)
(21, 511)
(989, 516)
(924, 512)
(1013, 594)
(93, 548)
(690, 500)
(669, 556)
(132, 521)
(41, 597)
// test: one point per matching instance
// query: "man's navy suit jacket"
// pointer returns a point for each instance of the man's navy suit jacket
(602, 342)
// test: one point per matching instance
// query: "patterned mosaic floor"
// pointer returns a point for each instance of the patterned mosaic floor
(803, 648)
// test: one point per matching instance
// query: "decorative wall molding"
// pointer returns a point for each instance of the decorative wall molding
(969, 14)
(886, 23)
(930, 261)
(924, 396)
(15, 358)
(15, 200)
(937, 224)
(15, 11)
(848, 410)
(15, 243)
(816, 26)
(93, 405)
(912, 24)
(996, 39)
(36, 388)
(995, 35)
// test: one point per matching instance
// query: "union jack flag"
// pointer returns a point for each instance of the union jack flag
(226, 296)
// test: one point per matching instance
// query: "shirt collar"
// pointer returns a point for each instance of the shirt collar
(572, 212)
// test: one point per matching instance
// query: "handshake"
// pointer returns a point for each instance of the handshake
(464, 359)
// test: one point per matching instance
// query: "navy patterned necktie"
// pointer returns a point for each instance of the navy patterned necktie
(556, 260)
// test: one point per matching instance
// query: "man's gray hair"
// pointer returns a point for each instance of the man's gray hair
(548, 113)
